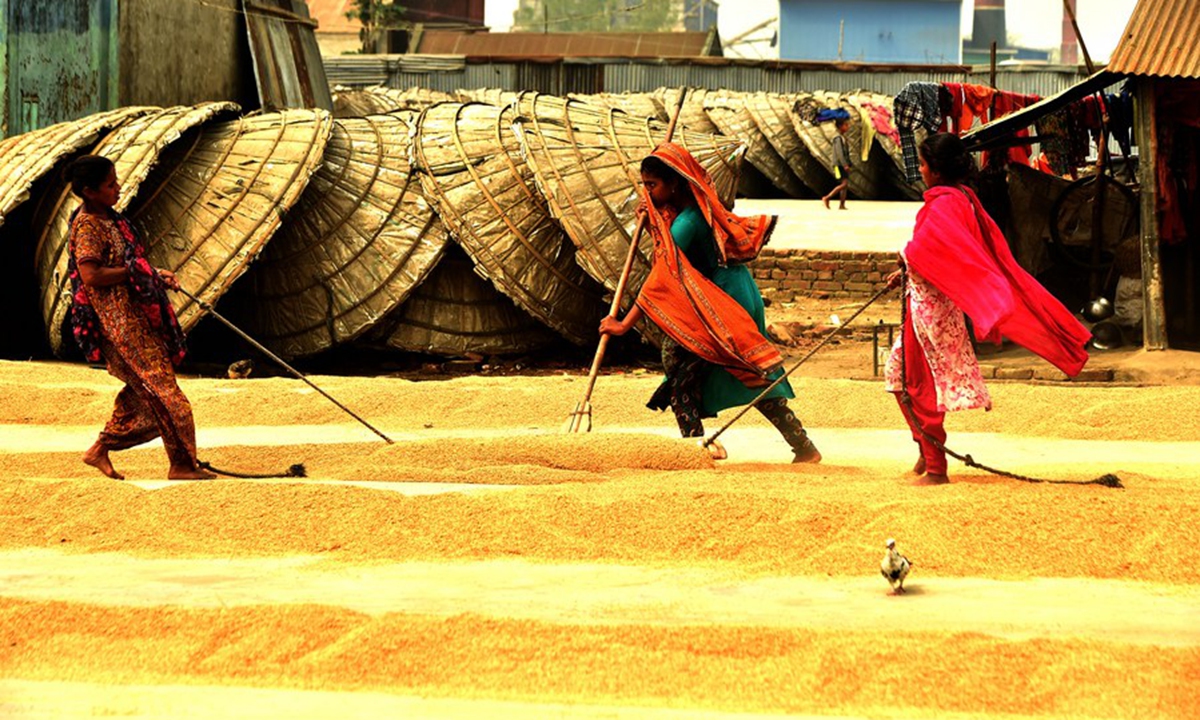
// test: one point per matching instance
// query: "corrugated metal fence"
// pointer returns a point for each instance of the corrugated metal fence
(450, 73)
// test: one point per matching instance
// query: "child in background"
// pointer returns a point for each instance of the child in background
(841, 164)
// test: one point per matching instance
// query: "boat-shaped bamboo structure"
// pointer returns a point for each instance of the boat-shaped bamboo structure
(490, 96)
(212, 202)
(586, 161)
(26, 158)
(359, 240)
(728, 112)
(772, 114)
(879, 108)
(865, 180)
(135, 148)
(456, 313)
(639, 105)
(692, 116)
(470, 164)
(348, 102)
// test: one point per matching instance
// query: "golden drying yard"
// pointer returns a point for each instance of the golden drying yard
(486, 566)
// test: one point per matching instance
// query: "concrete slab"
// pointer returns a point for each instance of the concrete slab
(865, 226)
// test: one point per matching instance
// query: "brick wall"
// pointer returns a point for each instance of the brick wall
(784, 275)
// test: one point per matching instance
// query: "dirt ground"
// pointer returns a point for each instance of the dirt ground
(486, 565)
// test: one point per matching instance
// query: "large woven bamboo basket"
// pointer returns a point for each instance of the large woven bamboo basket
(360, 239)
(586, 161)
(455, 312)
(692, 116)
(26, 158)
(135, 148)
(214, 200)
(728, 112)
(490, 96)
(879, 107)
(639, 105)
(349, 103)
(864, 181)
(771, 113)
(470, 164)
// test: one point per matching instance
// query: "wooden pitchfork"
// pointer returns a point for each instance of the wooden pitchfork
(580, 419)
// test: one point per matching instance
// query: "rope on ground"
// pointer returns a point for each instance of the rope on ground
(1105, 480)
(295, 471)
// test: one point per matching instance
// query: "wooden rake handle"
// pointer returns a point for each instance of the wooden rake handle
(583, 407)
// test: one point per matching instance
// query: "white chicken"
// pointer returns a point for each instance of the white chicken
(894, 568)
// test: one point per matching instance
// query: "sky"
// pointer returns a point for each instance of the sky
(1031, 23)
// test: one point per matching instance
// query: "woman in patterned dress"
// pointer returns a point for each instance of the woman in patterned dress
(120, 313)
(703, 297)
(959, 262)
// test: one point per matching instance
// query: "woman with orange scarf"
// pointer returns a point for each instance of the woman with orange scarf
(701, 294)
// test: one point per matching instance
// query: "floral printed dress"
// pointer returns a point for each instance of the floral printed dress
(132, 342)
(942, 334)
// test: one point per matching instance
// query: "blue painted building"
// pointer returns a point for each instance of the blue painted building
(877, 31)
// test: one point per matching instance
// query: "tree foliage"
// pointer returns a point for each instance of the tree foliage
(597, 16)
(376, 14)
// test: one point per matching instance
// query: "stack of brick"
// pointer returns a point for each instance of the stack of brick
(784, 275)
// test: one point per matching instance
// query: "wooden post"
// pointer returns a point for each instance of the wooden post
(1087, 59)
(1154, 314)
(992, 76)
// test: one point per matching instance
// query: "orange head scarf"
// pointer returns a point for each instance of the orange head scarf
(689, 307)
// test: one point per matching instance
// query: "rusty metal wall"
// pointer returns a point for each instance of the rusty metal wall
(60, 61)
(287, 59)
(165, 61)
(401, 71)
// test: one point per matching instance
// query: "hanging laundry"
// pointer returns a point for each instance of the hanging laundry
(917, 106)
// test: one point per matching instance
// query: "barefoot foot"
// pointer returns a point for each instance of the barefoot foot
(931, 479)
(184, 472)
(919, 468)
(97, 457)
(826, 201)
(809, 454)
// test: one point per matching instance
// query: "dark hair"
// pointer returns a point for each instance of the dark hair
(658, 167)
(946, 155)
(87, 172)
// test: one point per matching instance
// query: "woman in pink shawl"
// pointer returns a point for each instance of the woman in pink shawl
(959, 262)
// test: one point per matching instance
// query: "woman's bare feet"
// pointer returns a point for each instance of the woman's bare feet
(932, 479)
(97, 457)
(184, 472)
(919, 468)
(808, 454)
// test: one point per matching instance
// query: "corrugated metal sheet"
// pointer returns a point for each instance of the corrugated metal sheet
(618, 76)
(1160, 40)
(496, 45)
(287, 60)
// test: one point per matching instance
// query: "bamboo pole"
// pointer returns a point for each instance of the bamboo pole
(583, 409)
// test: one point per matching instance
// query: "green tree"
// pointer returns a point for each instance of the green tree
(597, 16)
(376, 14)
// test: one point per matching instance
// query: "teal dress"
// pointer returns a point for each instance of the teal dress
(719, 389)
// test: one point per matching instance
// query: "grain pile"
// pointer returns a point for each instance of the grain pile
(620, 498)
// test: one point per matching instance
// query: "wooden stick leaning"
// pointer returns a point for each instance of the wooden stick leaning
(258, 346)
(583, 409)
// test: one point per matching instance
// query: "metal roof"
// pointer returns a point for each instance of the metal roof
(610, 44)
(1160, 40)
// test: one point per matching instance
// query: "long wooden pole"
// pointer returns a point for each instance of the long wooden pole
(583, 409)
